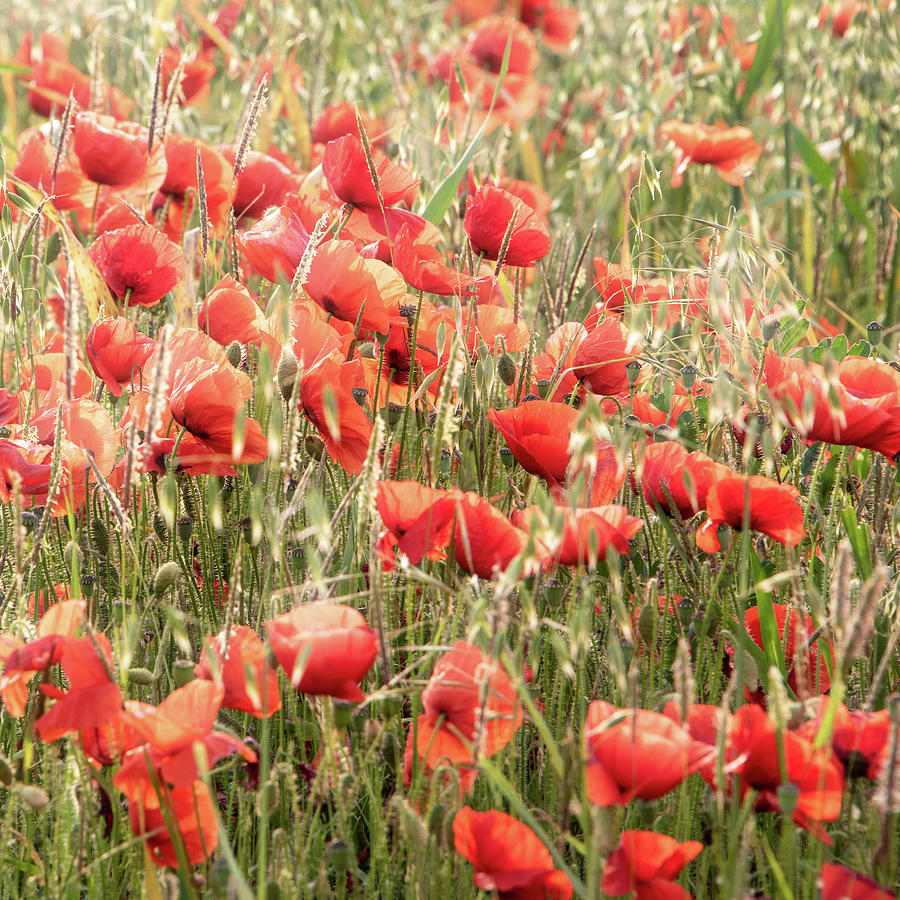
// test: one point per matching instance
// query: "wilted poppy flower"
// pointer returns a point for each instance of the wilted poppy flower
(345, 167)
(508, 856)
(677, 480)
(418, 519)
(733, 151)
(139, 264)
(326, 396)
(241, 664)
(113, 153)
(275, 245)
(647, 864)
(815, 773)
(489, 212)
(324, 648)
(470, 709)
(117, 353)
(538, 434)
(760, 503)
(841, 883)
(600, 362)
(860, 407)
(634, 753)
(188, 808)
(788, 623)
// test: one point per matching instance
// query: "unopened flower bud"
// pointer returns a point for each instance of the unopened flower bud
(769, 327)
(100, 536)
(286, 373)
(182, 672)
(506, 369)
(166, 575)
(140, 675)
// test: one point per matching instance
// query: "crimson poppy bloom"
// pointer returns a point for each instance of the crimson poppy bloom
(346, 169)
(193, 89)
(418, 519)
(860, 408)
(555, 364)
(488, 214)
(189, 809)
(839, 15)
(117, 353)
(339, 119)
(509, 857)
(538, 433)
(329, 385)
(423, 267)
(275, 245)
(71, 190)
(600, 362)
(229, 312)
(250, 684)
(676, 480)
(841, 883)
(324, 648)
(486, 45)
(647, 864)
(470, 707)
(588, 535)
(138, 263)
(788, 622)
(859, 739)
(763, 503)
(733, 151)
(262, 182)
(110, 152)
(486, 542)
(634, 753)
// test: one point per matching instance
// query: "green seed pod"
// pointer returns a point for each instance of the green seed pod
(543, 388)
(366, 350)
(184, 528)
(182, 672)
(632, 370)
(507, 370)
(72, 555)
(343, 712)
(788, 796)
(88, 583)
(100, 536)
(166, 576)
(140, 675)
(29, 521)
(272, 891)
(689, 376)
(507, 458)
(234, 351)
(338, 855)
(286, 373)
(436, 816)
(647, 623)
(33, 796)
(769, 327)
(390, 749)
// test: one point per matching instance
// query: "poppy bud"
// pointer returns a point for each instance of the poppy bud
(338, 853)
(234, 351)
(366, 349)
(788, 797)
(33, 796)
(286, 373)
(7, 776)
(159, 526)
(268, 797)
(182, 672)
(273, 891)
(436, 816)
(506, 369)
(184, 528)
(165, 577)
(141, 676)
(343, 712)
(390, 749)
(100, 536)
(769, 327)
(646, 624)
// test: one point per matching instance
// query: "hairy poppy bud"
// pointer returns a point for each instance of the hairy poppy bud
(506, 369)
(182, 672)
(7, 776)
(770, 325)
(286, 373)
(165, 577)
(33, 796)
(100, 536)
(159, 526)
(140, 675)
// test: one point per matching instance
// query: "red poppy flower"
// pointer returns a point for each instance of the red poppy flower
(241, 664)
(600, 362)
(588, 535)
(859, 739)
(840, 15)
(469, 700)
(352, 288)
(731, 150)
(815, 773)
(189, 809)
(193, 89)
(418, 519)
(764, 504)
(327, 388)
(34, 165)
(229, 312)
(788, 620)
(110, 152)
(509, 857)
(647, 863)
(538, 433)
(675, 479)
(262, 182)
(486, 542)
(488, 214)
(324, 648)
(557, 24)
(634, 753)
(423, 267)
(339, 119)
(117, 353)
(486, 45)
(178, 193)
(347, 171)
(138, 263)
(597, 479)
(275, 245)
(841, 883)
(860, 408)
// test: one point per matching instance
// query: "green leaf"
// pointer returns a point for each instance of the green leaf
(443, 196)
(768, 625)
(791, 335)
(859, 542)
(840, 346)
(818, 168)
